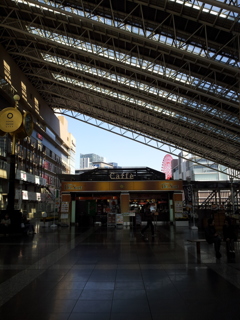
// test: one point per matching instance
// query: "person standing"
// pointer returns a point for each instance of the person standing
(149, 218)
(229, 236)
(28, 228)
(213, 237)
(5, 224)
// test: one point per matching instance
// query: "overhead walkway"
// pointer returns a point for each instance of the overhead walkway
(114, 274)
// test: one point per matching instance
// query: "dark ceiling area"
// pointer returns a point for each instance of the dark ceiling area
(166, 70)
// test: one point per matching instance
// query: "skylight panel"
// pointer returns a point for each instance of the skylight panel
(205, 7)
(137, 30)
(123, 58)
(139, 86)
(108, 92)
(138, 102)
(103, 74)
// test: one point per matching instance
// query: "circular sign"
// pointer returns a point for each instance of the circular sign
(10, 120)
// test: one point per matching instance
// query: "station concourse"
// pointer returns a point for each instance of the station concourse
(161, 73)
(113, 274)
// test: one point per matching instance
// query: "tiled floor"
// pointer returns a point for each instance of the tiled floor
(114, 274)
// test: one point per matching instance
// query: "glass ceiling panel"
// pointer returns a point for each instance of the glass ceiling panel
(208, 8)
(178, 43)
(142, 103)
(110, 93)
(135, 84)
(136, 62)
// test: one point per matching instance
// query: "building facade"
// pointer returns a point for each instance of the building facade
(204, 170)
(222, 195)
(86, 160)
(39, 158)
(102, 191)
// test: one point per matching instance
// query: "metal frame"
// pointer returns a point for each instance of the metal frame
(165, 73)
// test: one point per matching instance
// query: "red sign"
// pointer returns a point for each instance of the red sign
(39, 136)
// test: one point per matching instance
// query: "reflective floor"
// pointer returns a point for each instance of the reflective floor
(115, 274)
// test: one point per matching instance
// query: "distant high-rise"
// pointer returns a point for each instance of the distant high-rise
(114, 164)
(86, 160)
(203, 170)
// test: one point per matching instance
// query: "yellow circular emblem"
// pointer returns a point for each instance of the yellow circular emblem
(10, 120)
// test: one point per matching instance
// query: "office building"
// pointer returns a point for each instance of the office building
(203, 170)
(86, 160)
(207, 171)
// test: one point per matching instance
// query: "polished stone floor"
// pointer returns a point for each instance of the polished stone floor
(115, 274)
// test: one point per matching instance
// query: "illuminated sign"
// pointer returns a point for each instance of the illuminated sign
(121, 176)
(170, 186)
(71, 186)
(117, 185)
(39, 136)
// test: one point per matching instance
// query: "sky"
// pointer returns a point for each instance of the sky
(114, 148)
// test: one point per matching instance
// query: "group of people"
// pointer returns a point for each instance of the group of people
(229, 235)
(26, 226)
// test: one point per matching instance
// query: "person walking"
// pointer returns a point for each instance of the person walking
(213, 237)
(149, 217)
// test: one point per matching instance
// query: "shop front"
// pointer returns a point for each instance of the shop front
(102, 195)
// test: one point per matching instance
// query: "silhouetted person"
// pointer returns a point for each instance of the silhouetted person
(149, 218)
(5, 225)
(213, 237)
(28, 227)
(229, 236)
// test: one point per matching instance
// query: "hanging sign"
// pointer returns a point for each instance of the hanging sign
(65, 207)
(10, 120)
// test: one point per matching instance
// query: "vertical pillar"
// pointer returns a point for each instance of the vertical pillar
(73, 212)
(219, 197)
(232, 195)
(171, 215)
(11, 189)
(124, 204)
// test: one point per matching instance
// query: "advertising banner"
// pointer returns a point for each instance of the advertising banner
(65, 207)
(178, 206)
(188, 192)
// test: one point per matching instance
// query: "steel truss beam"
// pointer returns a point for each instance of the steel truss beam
(142, 139)
(124, 116)
(70, 51)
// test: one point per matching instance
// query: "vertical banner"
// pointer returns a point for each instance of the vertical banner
(188, 193)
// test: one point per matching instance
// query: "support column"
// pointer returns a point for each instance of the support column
(171, 215)
(11, 189)
(124, 205)
(124, 202)
(73, 212)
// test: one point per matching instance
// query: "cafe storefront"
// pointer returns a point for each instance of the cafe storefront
(94, 195)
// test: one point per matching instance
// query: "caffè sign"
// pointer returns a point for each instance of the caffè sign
(121, 176)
